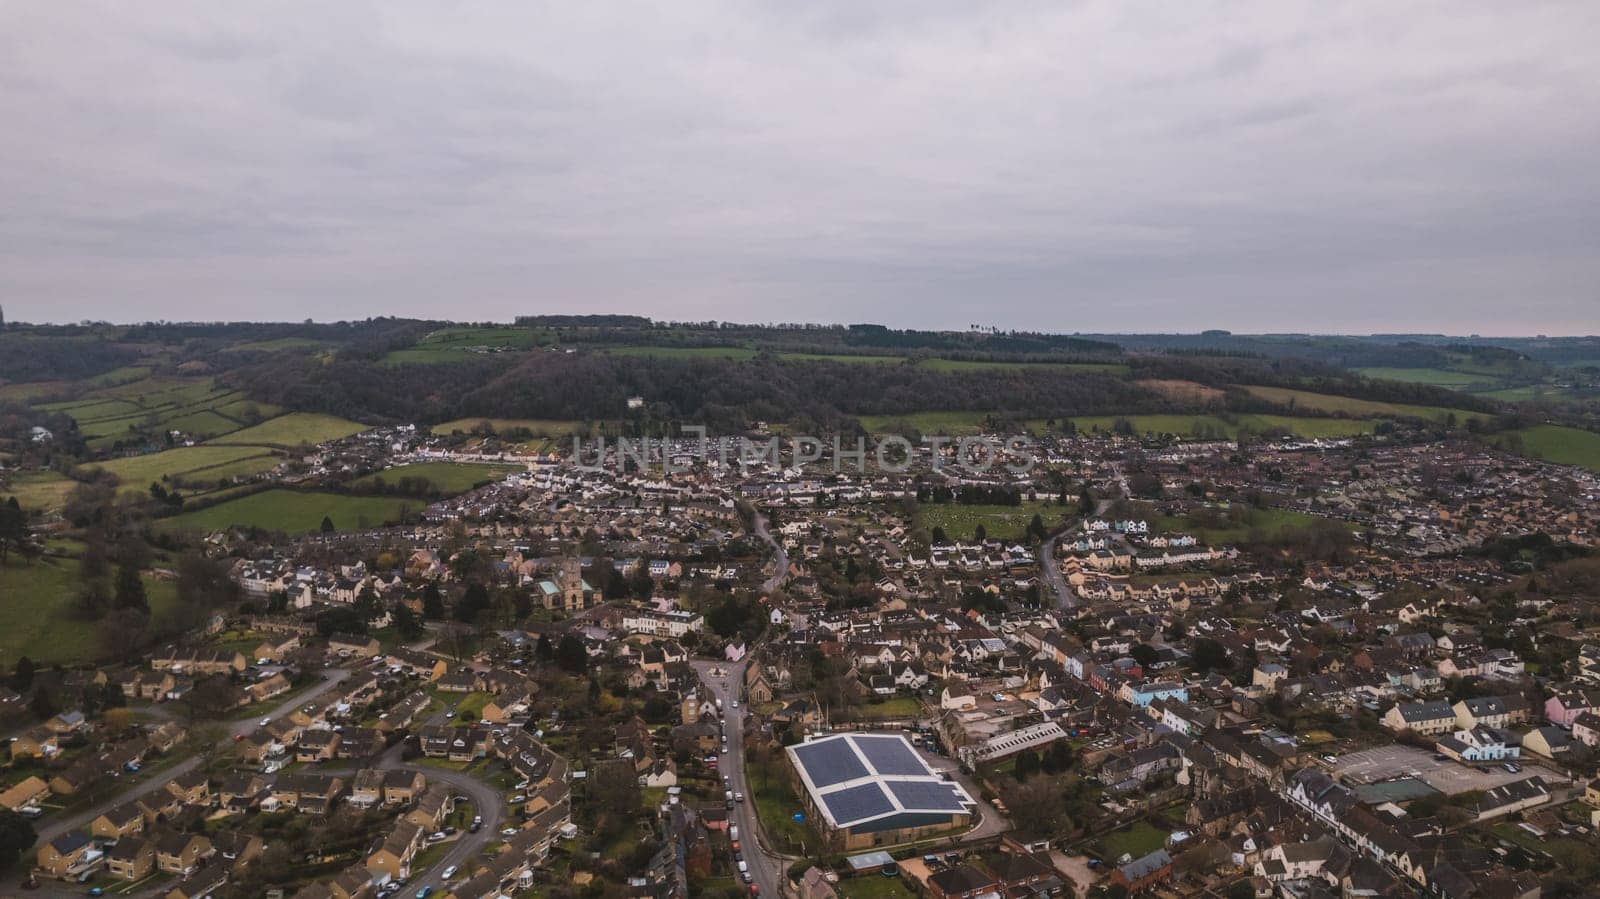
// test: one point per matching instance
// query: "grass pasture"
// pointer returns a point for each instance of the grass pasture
(457, 344)
(1325, 402)
(544, 427)
(735, 353)
(960, 365)
(193, 463)
(294, 429)
(293, 512)
(1213, 425)
(1438, 377)
(1559, 444)
(956, 422)
(38, 490)
(841, 357)
(37, 618)
(446, 477)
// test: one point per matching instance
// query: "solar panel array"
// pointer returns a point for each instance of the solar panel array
(857, 803)
(923, 795)
(828, 762)
(890, 755)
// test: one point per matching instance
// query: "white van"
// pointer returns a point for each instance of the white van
(733, 831)
(744, 866)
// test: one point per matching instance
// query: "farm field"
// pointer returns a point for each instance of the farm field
(198, 463)
(132, 407)
(458, 344)
(293, 512)
(960, 521)
(38, 490)
(1325, 402)
(278, 345)
(840, 357)
(547, 427)
(293, 429)
(957, 365)
(446, 477)
(36, 619)
(1563, 445)
(736, 353)
(1438, 377)
(950, 421)
(1213, 425)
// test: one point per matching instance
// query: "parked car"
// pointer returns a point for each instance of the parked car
(449, 872)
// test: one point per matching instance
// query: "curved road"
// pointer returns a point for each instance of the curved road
(780, 556)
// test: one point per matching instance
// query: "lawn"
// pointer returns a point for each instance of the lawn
(893, 707)
(38, 490)
(873, 886)
(1137, 839)
(294, 429)
(1326, 402)
(446, 477)
(1438, 377)
(37, 619)
(999, 522)
(1562, 445)
(294, 512)
(776, 806)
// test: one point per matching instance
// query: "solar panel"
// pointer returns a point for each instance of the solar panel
(890, 755)
(924, 795)
(857, 803)
(828, 762)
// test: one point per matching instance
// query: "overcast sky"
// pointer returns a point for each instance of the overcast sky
(1118, 166)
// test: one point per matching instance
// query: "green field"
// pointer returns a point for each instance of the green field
(1325, 402)
(293, 429)
(1562, 445)
(446, 477)
(1000, 522)
(196, 463)
(38, 490)
(278, 345)
(37, 620)
(958, 423)
(950, 421)
(293, 512)
(736, 353)
(126, 407)
(1212, 425)
(458, 344)
(1438, 377)
(957, 365)
(547, 427)
(840, 357)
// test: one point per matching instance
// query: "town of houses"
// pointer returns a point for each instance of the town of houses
(1290, 669)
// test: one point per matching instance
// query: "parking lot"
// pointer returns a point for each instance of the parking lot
(1448, 777)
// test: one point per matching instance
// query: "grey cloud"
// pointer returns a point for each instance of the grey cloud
(1087, 166)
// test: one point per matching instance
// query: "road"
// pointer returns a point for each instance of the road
(1047, 559)
(54, 827)
(780, 556)
(766, 867)
(486, 802)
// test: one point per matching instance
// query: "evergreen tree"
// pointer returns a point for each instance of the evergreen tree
(327, 525)
(571, 655)
(432, 602)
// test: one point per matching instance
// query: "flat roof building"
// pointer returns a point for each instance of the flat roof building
(872, 790)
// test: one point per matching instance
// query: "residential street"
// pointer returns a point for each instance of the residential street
(766, 867)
